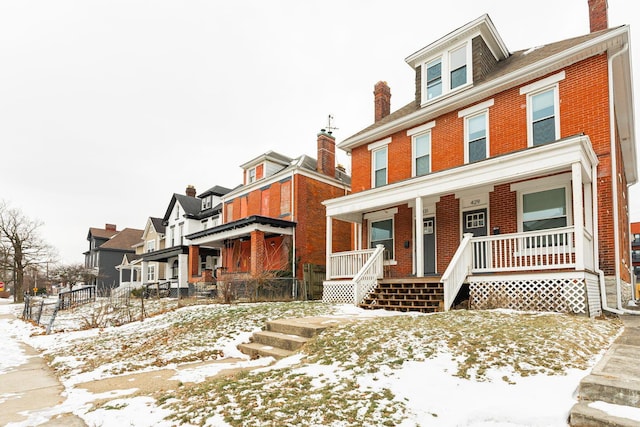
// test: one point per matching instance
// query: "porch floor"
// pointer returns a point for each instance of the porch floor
(420, 294)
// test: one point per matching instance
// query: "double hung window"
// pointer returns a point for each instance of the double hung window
(380, 165)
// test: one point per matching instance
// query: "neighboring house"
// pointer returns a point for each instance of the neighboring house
(635, 250)
(185, 215)
(106, 249)
(273, 223)
(152, 239)
(504, 181)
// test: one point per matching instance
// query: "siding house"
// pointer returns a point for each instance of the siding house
(502, 184)
(106, 250)
(165, 259)
(273, 224)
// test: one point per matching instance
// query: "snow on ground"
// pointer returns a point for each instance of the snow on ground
(428, 386)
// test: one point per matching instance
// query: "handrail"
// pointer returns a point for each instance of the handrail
(457, 270)
(367, 277)
(348, 264)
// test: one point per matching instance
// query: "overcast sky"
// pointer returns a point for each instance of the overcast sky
(107, 108)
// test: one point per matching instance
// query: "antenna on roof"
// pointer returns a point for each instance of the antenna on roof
(330, 128)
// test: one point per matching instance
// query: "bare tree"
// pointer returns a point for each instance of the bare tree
(72, 274)
(20, 238)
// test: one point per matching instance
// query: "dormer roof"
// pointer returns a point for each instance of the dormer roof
(482, 26)
(270, 156)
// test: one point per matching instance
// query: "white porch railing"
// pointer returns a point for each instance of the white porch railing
(367, 277)
(355, 287)
(348, 264)
(457, 270)
(539, 250)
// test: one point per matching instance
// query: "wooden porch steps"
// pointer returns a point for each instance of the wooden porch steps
(421, 294)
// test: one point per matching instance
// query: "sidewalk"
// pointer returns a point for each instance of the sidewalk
(29, 388)
(615, 380)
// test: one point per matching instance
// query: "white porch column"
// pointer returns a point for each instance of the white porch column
(183, 271)
(120, 273)
(329, 248)
(145, 269)
(358, 241)
(578, 214)
(418, 240)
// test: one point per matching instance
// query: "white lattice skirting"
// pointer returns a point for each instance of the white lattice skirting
(338, 292)
(561, 294)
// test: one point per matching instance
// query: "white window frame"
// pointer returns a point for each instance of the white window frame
(206, 203)
(549, 83)
(445, 61)
(377, 147)
(471, 113)
(150, 246)
(416, 133)
(251, 175)
(151, 273)
(383, 216)
(544, 184)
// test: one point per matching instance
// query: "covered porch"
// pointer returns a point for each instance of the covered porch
(250, 247)
(517, 230)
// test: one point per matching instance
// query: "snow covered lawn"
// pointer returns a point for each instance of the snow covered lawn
(475, 368)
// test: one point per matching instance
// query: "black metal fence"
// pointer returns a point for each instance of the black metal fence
(68, 299)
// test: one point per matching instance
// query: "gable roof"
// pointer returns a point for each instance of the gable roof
(216, 190)
(190, 205)
(303, 162)
(518, 68)
(158, 225)
(100, 233)
(123, 240)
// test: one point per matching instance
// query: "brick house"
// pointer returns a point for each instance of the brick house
(504, 183)
(274, 222)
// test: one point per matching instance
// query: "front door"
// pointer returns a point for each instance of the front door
(429, 239)
(475, 222)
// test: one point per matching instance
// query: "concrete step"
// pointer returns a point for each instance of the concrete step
(582, 415)
(614, 390)
(255, 350)
(303, 328)
(280, 340)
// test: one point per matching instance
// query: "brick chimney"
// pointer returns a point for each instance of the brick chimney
(381, 100)
(598, 19)
(190, 191)
(110, 227)
(326, 154)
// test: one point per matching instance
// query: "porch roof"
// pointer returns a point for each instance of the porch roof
(516, 166)
(165, 254)
(216, 236)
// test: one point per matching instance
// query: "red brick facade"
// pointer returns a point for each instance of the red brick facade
(580, 112)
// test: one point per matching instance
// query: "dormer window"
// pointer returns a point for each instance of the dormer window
(447, 72)
(206, 203)
(252, 176)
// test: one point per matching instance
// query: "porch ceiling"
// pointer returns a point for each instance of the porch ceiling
(520, 165)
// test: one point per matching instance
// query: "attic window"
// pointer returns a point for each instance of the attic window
(252, 176)
(206, 203)
(446, 72)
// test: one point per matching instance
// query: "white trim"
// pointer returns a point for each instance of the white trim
(545, 183)
(476, 108)
(541, 84)
(392, 260)
(556, 111)
(444, 56)
(531, 190)
(422, 128)
(414, 137)
(375, 216)
(478, 113)
(378, 144)
(373, 166)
